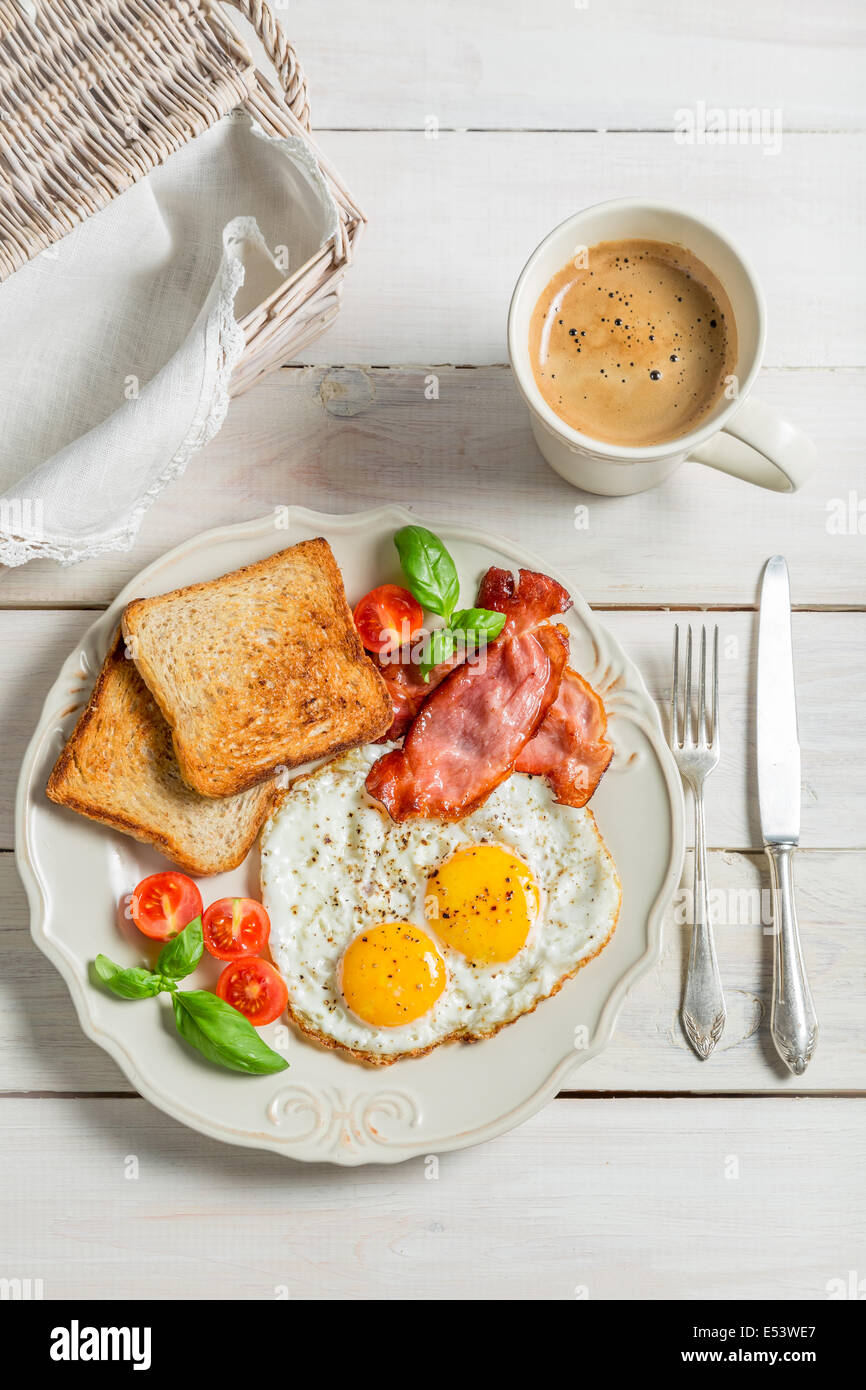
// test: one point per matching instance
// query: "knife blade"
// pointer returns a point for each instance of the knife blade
(778, 737)
(793, 1023)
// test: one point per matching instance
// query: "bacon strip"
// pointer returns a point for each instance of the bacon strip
(470, 732)
(570, 749)
(527, 602)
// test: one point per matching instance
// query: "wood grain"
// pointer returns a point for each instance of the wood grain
(341, 439)
(43, 1049)
(590, 1199)
(561, 65)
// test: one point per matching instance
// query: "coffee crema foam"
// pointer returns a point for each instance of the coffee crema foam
(634, 347)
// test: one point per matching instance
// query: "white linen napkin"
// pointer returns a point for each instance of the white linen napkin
(117, 344)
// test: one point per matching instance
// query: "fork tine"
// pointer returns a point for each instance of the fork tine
(687, 694)
(675, 731)
(715, 733)
(702, 696)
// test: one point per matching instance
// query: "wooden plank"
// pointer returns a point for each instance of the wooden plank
(43, 1049)
(341, 439)
(830, 654)
(579, 65)
(593, 1199)
(453, 220)
(831, 664)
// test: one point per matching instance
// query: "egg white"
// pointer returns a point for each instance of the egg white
(335, 864)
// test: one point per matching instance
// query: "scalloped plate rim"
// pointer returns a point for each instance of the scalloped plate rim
(397, 1150)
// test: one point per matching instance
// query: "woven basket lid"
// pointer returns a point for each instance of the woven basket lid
(96, 95)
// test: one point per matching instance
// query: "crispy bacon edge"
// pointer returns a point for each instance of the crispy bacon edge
(527, 601)
(570, 748)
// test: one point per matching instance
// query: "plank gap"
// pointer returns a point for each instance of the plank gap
(695, 606)
(70, 1095)
(551, 130)
(776, 1094)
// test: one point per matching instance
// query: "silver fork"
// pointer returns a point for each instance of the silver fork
(696, 754)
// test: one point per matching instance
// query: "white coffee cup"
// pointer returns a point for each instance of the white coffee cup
(740, 435)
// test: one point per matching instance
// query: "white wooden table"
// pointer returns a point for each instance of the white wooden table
(662, 1175)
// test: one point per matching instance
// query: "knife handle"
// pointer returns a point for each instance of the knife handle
(793, 1022)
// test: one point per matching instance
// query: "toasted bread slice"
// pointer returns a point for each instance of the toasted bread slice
(258, 671)
(119, 767)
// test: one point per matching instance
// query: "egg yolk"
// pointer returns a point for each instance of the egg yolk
(483, 901)
(392, 974)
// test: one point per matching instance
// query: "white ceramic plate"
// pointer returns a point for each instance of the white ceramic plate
(326, 1107)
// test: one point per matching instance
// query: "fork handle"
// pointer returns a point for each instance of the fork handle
(793, 1021)
(703, 1011)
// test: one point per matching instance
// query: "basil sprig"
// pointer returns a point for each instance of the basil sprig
(433, 581)
(216, 1028)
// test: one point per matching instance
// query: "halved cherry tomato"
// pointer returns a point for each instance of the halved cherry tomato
(235, 927)
(388, 617)
(163, 904)
(255, 988)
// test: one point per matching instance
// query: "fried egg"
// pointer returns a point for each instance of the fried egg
(394, 938)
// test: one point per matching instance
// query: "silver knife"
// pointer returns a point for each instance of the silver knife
(793, 1024)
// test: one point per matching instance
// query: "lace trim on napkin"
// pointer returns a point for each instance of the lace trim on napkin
(226, 342)
(224, 347)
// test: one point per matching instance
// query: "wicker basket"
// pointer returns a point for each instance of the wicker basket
(95, 95)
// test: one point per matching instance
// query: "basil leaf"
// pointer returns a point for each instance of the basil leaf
(439, 647)
(180, 956)
(222, 1034)
(132, 983)
(479, 620)
(429, 568)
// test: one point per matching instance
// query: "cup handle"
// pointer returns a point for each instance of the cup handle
(761, 447)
